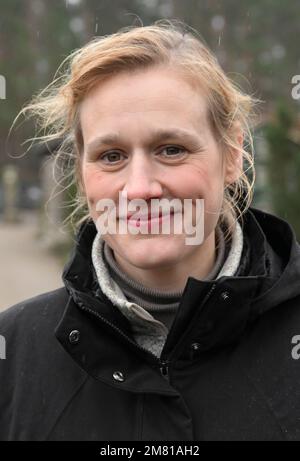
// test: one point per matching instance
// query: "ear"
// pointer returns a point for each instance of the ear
(234, 158)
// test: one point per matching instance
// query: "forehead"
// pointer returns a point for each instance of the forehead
(155, 93)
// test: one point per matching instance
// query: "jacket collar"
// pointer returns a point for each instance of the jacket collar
(143, 323)
(210, 314)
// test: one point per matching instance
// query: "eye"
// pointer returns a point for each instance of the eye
(113, 157)
(173, 150)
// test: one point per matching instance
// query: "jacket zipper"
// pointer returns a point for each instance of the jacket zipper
(192, 324)
(163, 364)
(164, 369)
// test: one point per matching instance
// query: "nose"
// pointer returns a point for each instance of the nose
(142, 180)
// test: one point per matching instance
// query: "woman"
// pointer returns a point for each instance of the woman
(151, 338)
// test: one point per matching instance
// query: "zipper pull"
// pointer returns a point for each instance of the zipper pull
(164, 369)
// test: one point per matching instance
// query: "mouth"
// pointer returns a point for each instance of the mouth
(147, 221)
(135, 217)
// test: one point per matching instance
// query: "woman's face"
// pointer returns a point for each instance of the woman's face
(134, 108)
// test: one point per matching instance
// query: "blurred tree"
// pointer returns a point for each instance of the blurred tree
(284, 166)
(35, 36)
(254, 41)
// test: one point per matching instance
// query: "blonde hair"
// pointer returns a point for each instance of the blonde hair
(166, 42)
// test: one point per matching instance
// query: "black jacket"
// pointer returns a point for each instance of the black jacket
(227, 371)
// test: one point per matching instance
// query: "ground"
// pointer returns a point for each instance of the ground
(27, 268)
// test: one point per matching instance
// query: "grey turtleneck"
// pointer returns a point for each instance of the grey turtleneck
(148, 331)
(161, 304)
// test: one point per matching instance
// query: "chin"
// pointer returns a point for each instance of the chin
(152, 252)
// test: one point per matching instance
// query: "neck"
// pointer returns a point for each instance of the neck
(173, 278)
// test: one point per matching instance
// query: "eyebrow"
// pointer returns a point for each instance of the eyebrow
(157, 135)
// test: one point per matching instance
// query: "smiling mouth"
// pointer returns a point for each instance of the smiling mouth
(148, 218)
(148, 222)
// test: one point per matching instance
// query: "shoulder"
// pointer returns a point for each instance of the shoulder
(46, 307)
(27, 330)
(271, 334)
(36, 374)
(31, 322)
(270, 358)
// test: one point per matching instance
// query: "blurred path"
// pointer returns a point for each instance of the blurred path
(26, 268)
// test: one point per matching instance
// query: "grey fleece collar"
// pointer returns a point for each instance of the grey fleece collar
(143, 323)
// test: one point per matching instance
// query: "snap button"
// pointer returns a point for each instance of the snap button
(74, 336)
(195, 350)
(225, 295)
(195, 346)
(118, 376)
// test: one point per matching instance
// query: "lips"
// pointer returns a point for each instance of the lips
(146, 217)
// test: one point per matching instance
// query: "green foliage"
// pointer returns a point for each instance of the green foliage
(256, 43)
(284, 167)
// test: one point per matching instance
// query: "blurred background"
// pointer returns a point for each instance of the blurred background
(256, 42)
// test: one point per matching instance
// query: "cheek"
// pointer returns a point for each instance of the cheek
(212, 176)
(203, 179)
(95, 183)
